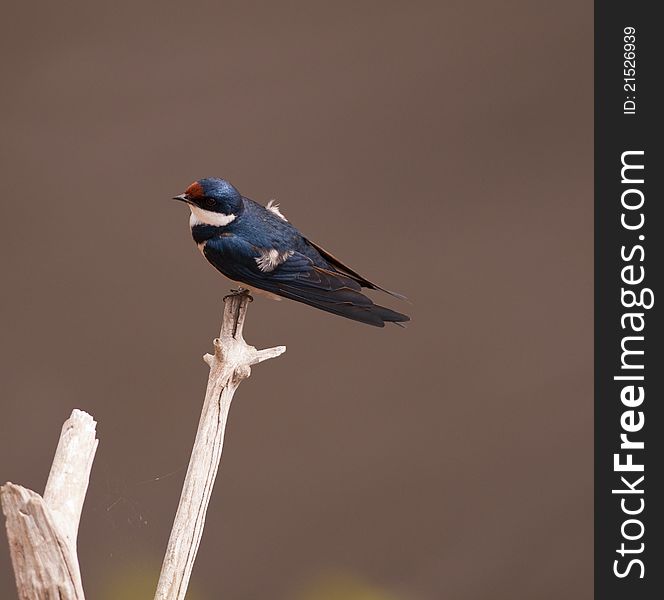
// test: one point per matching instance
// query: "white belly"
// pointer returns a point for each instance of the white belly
(269, 295)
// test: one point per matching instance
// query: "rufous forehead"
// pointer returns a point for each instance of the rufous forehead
(194, 190)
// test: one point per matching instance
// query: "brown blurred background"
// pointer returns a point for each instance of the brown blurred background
(443, 149)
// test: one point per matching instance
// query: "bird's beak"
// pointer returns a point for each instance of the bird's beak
(182, 198)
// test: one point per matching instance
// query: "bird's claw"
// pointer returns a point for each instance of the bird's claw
(240, 291)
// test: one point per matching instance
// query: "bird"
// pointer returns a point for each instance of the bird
(259, 248)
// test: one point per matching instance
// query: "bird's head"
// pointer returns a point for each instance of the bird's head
(212, 201)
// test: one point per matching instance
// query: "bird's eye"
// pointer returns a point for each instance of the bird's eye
(209, 202)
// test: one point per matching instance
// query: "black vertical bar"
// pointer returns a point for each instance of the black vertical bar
(628, 98)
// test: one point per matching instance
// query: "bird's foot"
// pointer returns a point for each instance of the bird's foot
(240, 291)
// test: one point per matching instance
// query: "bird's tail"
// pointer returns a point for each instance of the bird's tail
(373, 314)
(346, 303)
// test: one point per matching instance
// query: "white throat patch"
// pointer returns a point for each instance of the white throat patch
(200, 216)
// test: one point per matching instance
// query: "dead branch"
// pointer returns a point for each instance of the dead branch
(229, 365)
(42, 532)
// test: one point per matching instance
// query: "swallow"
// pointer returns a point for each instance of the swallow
(258, 247)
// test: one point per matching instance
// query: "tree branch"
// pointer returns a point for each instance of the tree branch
(229, 365)
(42, 532)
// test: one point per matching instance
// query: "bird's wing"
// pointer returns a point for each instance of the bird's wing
(363, 281)
(296, 277)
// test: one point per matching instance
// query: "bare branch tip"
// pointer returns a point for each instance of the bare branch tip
(266, 354)
(83, 418)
